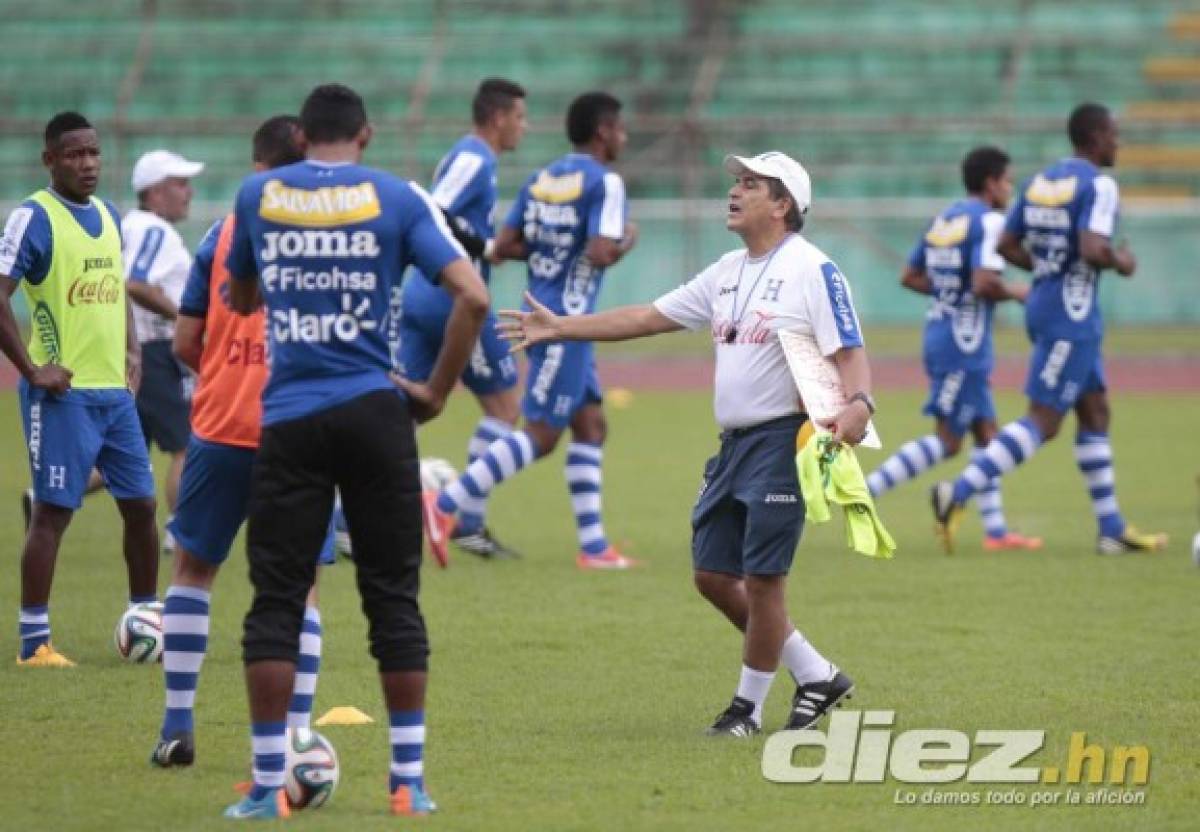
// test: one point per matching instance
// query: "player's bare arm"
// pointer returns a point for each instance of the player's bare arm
(524, 329)
(152, 298)
(50, 377)
(605, 252)
(471, 303)
(245, 296)
(1102, 254)
(189, 341)
(916, 280)
(990, 285)
(133, 350)
(1011, 249)
(850, 424)
(509, 245)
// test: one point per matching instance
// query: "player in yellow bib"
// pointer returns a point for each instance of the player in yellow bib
(63, 245)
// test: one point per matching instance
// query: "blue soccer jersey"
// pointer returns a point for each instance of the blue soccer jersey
(558, 210)
(958, 325)
(328, 243)
(1066, 198)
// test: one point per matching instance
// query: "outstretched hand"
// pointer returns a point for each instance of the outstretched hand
(524, 329)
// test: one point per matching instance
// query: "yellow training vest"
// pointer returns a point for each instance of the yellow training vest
(78, 312)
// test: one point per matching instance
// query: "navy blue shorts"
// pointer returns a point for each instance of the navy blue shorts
(1061, 371)
(749, 515)
(562, 378)
(491, 369)
(163, 398)
(960, 399)
(214, 493)
(69, 437)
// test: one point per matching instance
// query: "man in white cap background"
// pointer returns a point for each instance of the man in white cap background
(749, 515)
(156, 269)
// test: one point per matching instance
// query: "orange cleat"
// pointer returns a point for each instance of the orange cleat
(437, 526)
(1011, 542)
(412, 801)
(608, 560)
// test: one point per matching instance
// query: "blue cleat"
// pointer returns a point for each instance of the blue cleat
(272, 806)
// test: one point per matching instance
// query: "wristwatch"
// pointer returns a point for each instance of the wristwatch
(866, 399)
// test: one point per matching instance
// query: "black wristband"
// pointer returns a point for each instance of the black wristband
(866, 399)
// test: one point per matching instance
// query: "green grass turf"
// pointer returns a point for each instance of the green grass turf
(562, 700)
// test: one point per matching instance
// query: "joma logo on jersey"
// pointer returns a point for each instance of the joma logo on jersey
(318, 244)
(781, 498)
(97, 263)
(948, 232)
(322, 328)
(332, 205)
(1051, 192)
(1040, 216)
(101, 290)
(549, 188)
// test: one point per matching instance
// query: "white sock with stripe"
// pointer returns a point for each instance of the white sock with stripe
(991, 504)
(911, 460)
(1093, 455)
(472, 510)
(502, 459)
(754, 685)
(304, 689)
(1016, 442)
(584, 479)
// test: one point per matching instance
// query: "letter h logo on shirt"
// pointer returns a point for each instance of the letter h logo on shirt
(56, 476)
(771, 292)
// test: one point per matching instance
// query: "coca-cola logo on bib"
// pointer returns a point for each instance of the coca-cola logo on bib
(94, 289)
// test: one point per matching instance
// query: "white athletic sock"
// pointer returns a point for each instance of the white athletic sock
(803, 661)
(755, 685)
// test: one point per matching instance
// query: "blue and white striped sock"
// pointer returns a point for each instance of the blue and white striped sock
(408, 749)
(584, 479)
(501, 460)
(991, 504)
(185, 641)
(1016, 442)
(268, 741)
(910, 461)
(1093, 455)
(34, 625)
(304, 689)
(471, 510)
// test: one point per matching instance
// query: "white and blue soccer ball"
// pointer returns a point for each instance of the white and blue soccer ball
(139, 634)
(311, 770)
(436, 474)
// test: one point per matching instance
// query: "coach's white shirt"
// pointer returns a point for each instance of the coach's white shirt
(800, 289)
(154, 253)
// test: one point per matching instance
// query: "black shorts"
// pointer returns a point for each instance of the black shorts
(162, 405)
(367, 449)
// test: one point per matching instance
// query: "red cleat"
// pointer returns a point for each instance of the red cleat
(437, 526)
(1012, 542)
(608, 560)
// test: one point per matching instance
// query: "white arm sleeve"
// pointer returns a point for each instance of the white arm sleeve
(1103, 218)
(993, 225)
(458, 177)
(691, 305)
(612, 211)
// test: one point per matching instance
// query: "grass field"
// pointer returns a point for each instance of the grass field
(563, 700)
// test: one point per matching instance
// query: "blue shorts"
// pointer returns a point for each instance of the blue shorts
(69, 436)
(749, 515)
(163, 402)
(491, 368)
(562, 378)
(214, 493)
(1061, 371)
(960, 399)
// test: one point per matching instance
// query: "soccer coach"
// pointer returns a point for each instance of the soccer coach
(747, 521)
(324, 242)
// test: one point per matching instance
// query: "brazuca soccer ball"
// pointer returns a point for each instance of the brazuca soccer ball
(139, 634)
(436, 474)
(311, 769)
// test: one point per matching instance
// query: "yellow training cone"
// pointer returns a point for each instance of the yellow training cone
(344, 715)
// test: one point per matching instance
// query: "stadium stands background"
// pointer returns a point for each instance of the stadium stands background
(878, 98)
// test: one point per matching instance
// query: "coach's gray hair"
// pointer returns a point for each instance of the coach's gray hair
(794, 219)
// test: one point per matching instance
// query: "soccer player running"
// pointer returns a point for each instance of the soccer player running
(956, 262)
(157, 263)
(323, 243)
(1061, 229)
(464, 186)
(747, 521)
(568, 221)
(63, 246)
(228, 351)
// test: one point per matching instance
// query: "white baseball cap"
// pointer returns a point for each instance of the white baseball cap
(158, 165)
(779, 166)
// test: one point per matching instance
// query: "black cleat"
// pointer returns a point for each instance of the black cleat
(814, 699)
(179, 750)
(735, 721)
(482, 544)
(27, 506)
